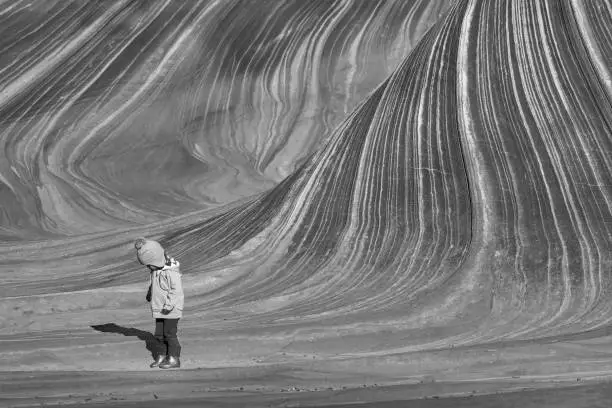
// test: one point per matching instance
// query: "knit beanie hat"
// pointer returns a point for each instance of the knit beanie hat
(150, 252)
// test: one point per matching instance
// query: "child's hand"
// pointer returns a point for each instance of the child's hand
(166, 309)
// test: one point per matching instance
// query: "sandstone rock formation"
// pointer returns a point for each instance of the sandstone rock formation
(350, 186)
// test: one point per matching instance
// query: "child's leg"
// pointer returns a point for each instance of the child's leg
(170, 334)
(161, 348)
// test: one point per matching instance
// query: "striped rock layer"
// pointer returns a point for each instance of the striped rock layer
(324, 171)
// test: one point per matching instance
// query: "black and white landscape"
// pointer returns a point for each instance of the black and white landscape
(371, 200)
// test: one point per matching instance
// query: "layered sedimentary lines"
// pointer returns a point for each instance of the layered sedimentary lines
(543, 125)
(324, 170)
(137, 111)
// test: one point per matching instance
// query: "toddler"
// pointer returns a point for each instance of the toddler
(166, 297)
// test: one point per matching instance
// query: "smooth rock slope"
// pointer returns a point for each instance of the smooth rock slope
(360, 193)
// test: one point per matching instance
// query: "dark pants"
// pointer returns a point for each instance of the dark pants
(167, 341)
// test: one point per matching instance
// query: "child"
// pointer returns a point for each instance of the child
(166, 298)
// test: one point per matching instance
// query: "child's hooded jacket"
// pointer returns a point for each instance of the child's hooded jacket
(167, 291)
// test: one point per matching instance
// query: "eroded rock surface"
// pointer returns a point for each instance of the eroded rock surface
(378, 192)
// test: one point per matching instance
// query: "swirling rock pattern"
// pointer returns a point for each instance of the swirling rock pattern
(388, 188)
(194, 104)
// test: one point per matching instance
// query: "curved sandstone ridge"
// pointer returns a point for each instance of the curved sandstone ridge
(131, 113)
(384, 187)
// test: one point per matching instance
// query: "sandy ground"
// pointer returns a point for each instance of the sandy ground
(253, 369)
(186, 389)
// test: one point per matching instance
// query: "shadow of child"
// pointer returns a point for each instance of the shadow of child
(150, 341)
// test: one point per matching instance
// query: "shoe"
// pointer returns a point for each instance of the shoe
(171, 362)
(158, 361)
